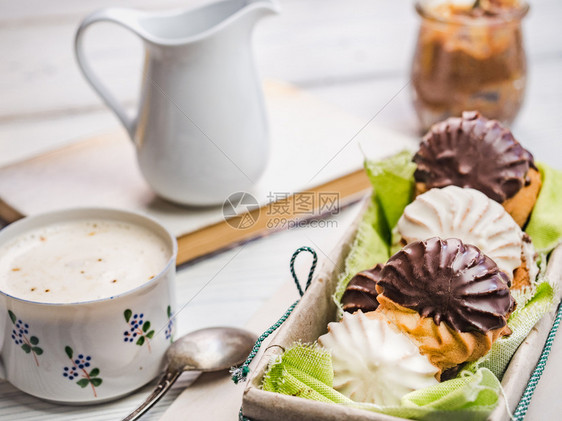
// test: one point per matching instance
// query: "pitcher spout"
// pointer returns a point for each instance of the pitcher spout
(261, 7)
(250, 12)
(187, 26)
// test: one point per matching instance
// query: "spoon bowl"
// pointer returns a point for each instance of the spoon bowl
(210, 349)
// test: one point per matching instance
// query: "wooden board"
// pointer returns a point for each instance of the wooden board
(315, 147)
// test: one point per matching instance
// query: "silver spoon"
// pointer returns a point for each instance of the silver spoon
(210, 349)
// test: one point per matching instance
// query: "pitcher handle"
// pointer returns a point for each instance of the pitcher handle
(122, 17)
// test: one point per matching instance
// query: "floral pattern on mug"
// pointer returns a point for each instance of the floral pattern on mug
(170, 328)
(79, 368)
(138, 329)
(20, 333)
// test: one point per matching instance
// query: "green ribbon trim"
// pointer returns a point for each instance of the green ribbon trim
(523, 405)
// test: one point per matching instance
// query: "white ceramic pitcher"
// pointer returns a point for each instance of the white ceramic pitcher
(201, 129)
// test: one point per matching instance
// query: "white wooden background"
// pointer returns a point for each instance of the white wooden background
(355, 54)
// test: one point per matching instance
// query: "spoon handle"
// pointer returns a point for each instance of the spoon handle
(164, 384)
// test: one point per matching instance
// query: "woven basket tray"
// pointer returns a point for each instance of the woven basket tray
(309, 320)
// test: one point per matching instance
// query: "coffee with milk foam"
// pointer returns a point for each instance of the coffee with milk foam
(81, 260)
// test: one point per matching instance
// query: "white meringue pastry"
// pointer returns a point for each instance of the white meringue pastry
(374, 362)
(472, 217)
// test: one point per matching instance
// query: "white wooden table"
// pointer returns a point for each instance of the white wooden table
(355, 54)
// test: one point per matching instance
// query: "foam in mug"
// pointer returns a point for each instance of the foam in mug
(81, 260)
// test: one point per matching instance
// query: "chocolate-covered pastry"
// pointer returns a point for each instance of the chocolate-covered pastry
(451, 299)
(361, 293)
(475, 152)
(451, 282)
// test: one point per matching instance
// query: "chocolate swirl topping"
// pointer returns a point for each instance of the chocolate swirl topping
(360, 293)
(475, 152)
(449, 281)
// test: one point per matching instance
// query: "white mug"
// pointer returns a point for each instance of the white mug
(82, 352)
(201, 129)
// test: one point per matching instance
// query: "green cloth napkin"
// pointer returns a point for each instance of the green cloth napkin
(305, 371)
(545, 224)
(393, 185)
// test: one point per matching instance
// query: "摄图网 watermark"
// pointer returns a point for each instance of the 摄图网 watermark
(282, 210)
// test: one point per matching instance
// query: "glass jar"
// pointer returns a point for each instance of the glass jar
(469, 61)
